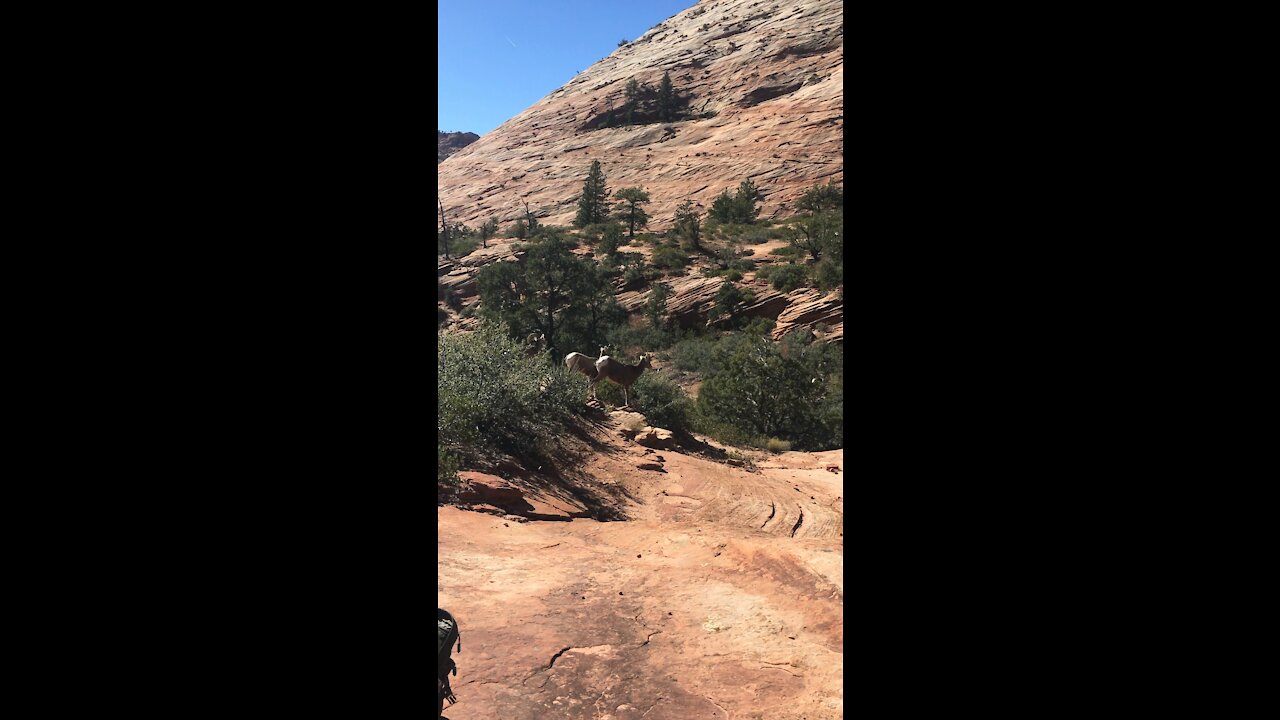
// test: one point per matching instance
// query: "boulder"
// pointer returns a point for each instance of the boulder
(650, 466)
(485, 489)
(658, 438)
(625, 421)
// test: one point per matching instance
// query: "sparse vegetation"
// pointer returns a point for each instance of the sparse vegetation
(566, 298)
(687, 225)
(642, 104)
(739, 207)
(491, 397)
(667, 257)
(785, 278)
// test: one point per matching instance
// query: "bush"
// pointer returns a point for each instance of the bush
(446, 467)
(730, 299)
(785, 278)
(829, 273)
(662, 402)
(732, 275)
(493, 397)
(757, 392)
(776, 445)
(668, 257)
(790, 251)
(459, 246)
(705, 354)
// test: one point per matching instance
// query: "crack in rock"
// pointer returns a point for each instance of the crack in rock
(646, 640)
(549, 665)
(796, 529)
(773, 510)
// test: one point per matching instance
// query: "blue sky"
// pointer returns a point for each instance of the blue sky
(498, 57)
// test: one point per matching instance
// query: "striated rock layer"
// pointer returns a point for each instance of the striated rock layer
(766, 85)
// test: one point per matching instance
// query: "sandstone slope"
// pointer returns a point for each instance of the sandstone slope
(719, 597)
(766, 79)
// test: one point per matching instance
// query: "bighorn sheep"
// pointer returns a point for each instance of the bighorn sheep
(534, 343)
(584, 364)
(625, 375)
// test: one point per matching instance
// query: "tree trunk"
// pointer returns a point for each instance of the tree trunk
(444, 227)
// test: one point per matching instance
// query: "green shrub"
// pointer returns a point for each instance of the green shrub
(785, 278)
(790, 251)
(776, 445)
(829, 272)
(446, 466)
(459, 246)
(705, 354)
(757, 393)
(492, 397)
(663, 403)
(668, 257)
(730, 300)
(732, 275)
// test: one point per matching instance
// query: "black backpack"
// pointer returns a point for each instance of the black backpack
(447, 631)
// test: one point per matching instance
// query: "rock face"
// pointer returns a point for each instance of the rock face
(457, 275)
(764, 83)
(450, 143)
(491, 494)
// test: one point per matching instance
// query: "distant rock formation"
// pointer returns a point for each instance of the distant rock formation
(452, 142)
(760, 84)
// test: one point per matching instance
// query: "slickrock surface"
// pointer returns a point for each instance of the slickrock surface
(769, 70)
(720, 597)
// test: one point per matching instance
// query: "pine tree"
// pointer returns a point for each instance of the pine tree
(656, 308)
(592, 206)
(746, 200)
(609, 243)
(688, 223)
(633, 99)
(629, 209)
(666, 98)
(488, 230)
